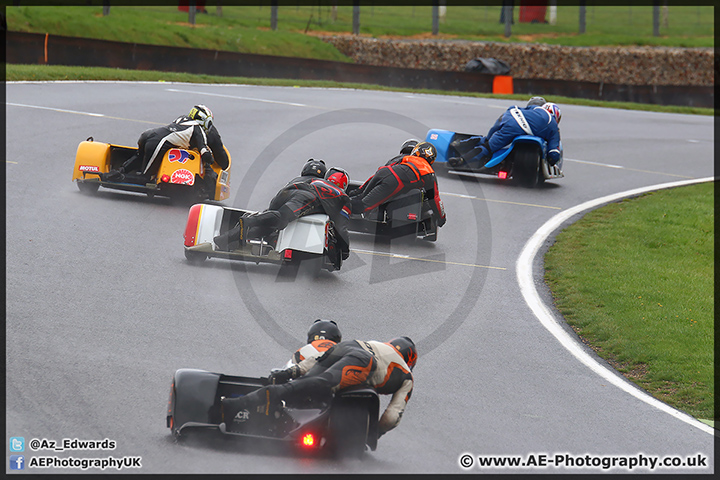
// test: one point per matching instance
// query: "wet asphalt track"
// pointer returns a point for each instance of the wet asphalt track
(102, 307)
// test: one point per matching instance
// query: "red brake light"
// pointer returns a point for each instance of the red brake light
(287, 254)
(308, 440)
(165, 178)
(502, 175)
(412, 216)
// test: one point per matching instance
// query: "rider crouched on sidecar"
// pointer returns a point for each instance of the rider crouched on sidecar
(183, 159)
(524, 143)
(401, 198)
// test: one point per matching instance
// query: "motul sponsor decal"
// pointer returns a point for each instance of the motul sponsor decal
(89, 168)
(183, 177)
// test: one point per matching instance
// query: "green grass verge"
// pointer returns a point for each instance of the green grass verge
(635, 280)
(167, 26)
(247, 28)
(15, 73)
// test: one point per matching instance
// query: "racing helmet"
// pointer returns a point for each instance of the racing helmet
(407, 349)
(338, 177)
(425, 150)
(324, 330)
(554, 110)
(537, 101)
(408, 146)
(202, 114)
(314, 168)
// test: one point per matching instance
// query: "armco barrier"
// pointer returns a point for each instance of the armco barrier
(33, 48)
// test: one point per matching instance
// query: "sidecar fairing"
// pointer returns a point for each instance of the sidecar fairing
(308, 237)
(181, 172)
(404, 215)
(525, 159)
(346, 420)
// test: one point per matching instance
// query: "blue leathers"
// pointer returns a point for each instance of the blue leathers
(532, 120)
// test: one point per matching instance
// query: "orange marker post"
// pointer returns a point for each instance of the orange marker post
(503, 84)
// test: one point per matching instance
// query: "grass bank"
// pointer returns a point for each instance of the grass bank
(247, 29)
(167, 26)
(635, 280)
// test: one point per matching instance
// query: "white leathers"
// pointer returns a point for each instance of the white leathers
(180, 135)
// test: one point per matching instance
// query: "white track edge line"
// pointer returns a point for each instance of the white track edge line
(524, 271)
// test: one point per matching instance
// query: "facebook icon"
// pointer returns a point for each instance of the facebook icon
(17, 462)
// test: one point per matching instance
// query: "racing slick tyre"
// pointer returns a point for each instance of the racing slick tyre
(349, 426)
(195, 257)
(88, 187)
(526, 165)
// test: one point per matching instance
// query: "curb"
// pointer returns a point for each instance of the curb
(524, 272)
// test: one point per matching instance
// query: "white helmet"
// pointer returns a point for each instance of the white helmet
(553, 110)
(202, 114)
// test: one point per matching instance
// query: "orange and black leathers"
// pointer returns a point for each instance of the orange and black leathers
(352, 362)
(313, 349)
(399, 175)
(344, 365)
(305, 196)
(357, 362)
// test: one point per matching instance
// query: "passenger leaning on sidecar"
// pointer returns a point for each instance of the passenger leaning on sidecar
(400, 175)
(538, 118)
(311, 192)
(322, 335)
(384, 366)
(193, 131)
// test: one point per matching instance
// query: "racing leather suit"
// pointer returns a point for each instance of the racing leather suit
(313, 349)
(304, 196)
(516, 121)
(153, 143)
(349, 363)
(398, 176)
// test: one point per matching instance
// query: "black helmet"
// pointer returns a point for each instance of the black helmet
(538, 101)
(407, 349)
(202, 114)
(425, 150)
(325, 330)
(408, 146)
(314, 168)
